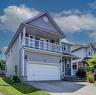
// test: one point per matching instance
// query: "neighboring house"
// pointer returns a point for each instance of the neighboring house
(84, 52)
(37, 53)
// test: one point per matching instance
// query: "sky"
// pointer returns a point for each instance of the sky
(76, 18)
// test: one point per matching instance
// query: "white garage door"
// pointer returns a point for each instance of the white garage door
(41, 72)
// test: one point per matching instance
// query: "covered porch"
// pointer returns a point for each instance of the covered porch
(67, 65)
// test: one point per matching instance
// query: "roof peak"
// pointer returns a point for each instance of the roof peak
(49, 17)
(38, 15)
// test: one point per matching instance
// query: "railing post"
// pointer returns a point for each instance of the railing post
(29, 41)
(39, 44)
(71, 67)
(45, 45)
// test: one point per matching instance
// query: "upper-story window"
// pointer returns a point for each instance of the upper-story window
(64, 47)
(89, 52)
(52, 41)
(26, 35)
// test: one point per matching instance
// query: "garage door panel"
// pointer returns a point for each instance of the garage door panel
(37, 72)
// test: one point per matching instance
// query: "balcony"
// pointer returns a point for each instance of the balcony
(43, 45)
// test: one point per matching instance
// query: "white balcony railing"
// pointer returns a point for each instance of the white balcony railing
(43, 45)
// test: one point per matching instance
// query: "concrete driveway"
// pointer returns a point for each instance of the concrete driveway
(66, 88)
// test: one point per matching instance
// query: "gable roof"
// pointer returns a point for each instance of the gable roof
(31, 19)
(77, 47)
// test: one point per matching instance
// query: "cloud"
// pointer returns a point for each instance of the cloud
(70, 21)
(76, 22)
(93, 35)
(68, 12)
(92, 5)
(14, 15)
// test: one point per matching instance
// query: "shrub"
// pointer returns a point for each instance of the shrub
(81, 73)
(16, 79)
(90, 77)
(95, 77)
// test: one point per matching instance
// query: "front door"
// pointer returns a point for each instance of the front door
(67, 67)
(63, 69)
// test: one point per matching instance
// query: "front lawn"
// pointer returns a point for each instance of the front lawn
(9, 88)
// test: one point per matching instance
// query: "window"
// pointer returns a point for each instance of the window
(25, 57)
(65, 61)
(74, 66)
(89, 52)
(31, 36)
(68, 65)
(52, 41)
(64, 47)
(47, 40)
(26, 35)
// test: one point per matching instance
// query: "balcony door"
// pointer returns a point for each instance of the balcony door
(42, 45)
(37, 42)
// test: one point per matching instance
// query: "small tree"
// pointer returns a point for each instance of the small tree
(2, 64)
(91, 65)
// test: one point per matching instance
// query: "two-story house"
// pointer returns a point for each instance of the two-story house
(84, 52)
(37, 53)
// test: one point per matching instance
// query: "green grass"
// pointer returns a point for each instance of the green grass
(7, 87)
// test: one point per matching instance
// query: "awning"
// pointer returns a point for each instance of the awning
(70, 56)
(86, 58)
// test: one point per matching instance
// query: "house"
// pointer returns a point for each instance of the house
(37, 53)
(84, 52)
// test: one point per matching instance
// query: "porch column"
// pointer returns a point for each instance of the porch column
(29, 44)
(61, 68)
(77, 63)
(24, 30)
(71, 67)
(22, 66)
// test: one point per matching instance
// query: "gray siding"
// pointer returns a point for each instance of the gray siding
(42, 57)
(39, 22)
(12, 59)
